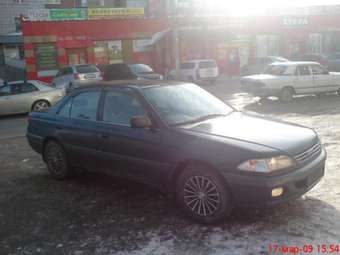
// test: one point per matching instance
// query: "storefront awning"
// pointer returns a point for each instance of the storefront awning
(12, 38)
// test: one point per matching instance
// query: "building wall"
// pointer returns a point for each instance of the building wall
(9, 9)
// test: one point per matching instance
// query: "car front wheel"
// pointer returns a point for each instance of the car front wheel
(56, 161)
(286, 95)
(203, 194)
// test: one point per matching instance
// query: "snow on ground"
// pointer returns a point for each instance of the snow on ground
(100, 215)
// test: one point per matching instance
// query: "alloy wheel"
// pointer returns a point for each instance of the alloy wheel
(40, 105)
(201, 195)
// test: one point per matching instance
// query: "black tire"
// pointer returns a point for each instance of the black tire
(286, 95)
(40, 105)
(56, 161)
(210, 207)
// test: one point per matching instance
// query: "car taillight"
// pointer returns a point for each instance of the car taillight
(76, 76)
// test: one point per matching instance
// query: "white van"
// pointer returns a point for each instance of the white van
(196, 71)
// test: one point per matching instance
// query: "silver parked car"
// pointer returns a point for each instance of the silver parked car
(287, 79)
(25, 96)
(76, 75)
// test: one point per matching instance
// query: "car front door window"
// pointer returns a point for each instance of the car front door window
(304, 70)
(120, 107)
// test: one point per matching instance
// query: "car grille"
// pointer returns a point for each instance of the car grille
(309, 154)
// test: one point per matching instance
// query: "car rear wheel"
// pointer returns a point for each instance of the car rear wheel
(56, 161)
(40, 105)
(286, 95)
(203, 194)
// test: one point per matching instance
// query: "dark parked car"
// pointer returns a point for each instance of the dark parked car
(260, 64)
(129, 71)
(181, 139)
(333, 62)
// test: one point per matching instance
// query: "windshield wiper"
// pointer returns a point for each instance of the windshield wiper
(201, 119)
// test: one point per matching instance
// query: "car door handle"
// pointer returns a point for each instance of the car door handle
(59, 127)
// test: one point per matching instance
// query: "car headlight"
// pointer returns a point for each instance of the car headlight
(267, 165)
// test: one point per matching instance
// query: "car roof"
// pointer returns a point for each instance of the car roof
(18, 81)
(198, 60)
(129, 84)
(292, 63)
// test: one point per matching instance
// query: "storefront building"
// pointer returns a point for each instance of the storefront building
(103, 37)
(50, 45)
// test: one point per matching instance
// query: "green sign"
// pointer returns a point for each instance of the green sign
(68, 14)
(46, 56)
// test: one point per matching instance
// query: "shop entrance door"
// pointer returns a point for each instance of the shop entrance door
(76, 56)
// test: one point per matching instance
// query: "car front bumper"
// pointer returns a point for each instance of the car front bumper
(257, 190)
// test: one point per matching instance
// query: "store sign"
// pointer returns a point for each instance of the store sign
(57, 14)
(102, 13)
(53, 1)
(67, 14)
(115, 51)
(42, 14)
(295, 21)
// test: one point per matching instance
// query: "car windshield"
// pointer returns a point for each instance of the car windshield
(185, 104)
(87, 69)
(188, 65)
(141, 69)
(279, 59)
(278, 70)
(207, 64)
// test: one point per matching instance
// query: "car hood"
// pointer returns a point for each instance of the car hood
(259, 77)
(289, 138)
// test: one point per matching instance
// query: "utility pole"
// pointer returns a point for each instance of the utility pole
(175, 35)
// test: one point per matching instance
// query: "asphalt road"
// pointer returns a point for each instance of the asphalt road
(13, 126)
(96, 214)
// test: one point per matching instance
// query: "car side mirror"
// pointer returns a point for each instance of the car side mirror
(140, 122)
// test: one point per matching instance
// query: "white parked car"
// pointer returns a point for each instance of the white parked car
(76, 75)
(287, 79)
(196, 71)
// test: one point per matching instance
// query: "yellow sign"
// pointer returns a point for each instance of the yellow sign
(100, 13)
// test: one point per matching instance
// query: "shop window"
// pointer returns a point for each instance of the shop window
(267, 45)
(108, 52)
(315, 43)
(46, 55)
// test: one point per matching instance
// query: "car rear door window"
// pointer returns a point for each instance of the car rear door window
(120, 107)
(85, 105)
(22, 88)
(304, 70)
